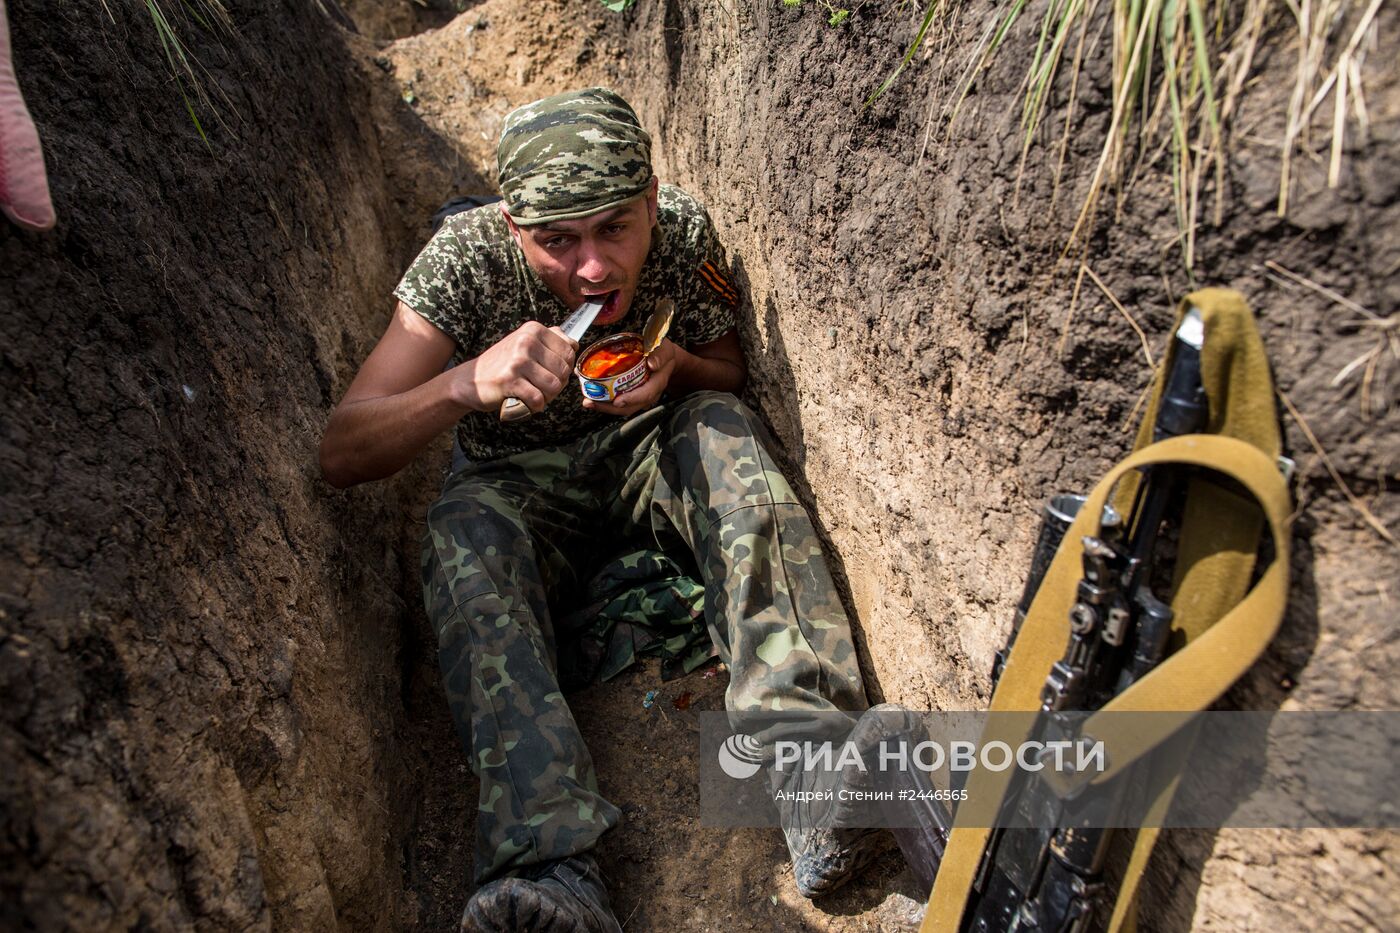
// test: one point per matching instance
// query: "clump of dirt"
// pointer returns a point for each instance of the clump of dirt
(395, 19)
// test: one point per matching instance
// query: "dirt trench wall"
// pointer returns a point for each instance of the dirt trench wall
(201, 700)
(204, 711)
(394, 19)
(911, 344)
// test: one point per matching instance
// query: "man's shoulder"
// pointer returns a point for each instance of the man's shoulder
(479, 227)
(468, 280)
(685, 225)
(476, 244)
(679, 208)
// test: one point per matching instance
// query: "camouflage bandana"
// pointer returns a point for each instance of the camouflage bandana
(572, 155)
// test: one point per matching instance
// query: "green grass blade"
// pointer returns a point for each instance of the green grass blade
(929, 15)
(1180, 147)
(1042, 83)
(181, 68)
(1006, 24)
(1202, 66)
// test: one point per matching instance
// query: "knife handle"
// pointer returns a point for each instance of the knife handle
(512, 409)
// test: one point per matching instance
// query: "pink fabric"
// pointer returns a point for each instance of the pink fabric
(24, 188)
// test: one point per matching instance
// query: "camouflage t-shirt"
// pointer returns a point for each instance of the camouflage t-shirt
(472, 282)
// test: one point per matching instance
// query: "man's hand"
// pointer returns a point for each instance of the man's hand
(662, 363)
(532, 364)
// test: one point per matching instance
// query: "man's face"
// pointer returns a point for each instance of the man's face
(601, 254)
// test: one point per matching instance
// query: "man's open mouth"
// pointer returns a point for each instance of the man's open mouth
(610, 302)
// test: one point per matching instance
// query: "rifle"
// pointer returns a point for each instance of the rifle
(1051, 879)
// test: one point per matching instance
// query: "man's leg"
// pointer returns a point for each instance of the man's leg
(772, 607)
(770, 601)
(497, 543)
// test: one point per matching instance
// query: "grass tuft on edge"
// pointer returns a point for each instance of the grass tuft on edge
(188, 73)
(1179, 70)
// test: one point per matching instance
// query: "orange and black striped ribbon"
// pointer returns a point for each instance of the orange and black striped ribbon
(720, 283)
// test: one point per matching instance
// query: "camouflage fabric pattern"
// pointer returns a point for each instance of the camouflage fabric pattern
(571, 155)
(472, 282)
(640, 604)
(511, 541)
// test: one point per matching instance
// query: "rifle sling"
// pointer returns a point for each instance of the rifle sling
(1219, 539)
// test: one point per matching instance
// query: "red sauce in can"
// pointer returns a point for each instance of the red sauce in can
(609, 361)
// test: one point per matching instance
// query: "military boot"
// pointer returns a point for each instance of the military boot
(825, 859)
(821, 823)
(826, 850)
(560, 896)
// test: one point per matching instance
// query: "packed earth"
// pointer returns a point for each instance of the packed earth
(219, 703)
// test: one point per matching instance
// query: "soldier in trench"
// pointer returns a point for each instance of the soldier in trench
(678, 463)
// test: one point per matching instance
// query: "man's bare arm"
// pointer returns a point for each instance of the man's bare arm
(717, 365)
(401, 400)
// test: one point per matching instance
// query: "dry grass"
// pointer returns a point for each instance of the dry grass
(932, 15)
(1137, 328)
(1375, 365)
(1113, 299)
(1320, 25)
(189, 75)
(1179, 71)
(1366, 514)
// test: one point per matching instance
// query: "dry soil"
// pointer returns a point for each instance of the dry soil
(218, 706)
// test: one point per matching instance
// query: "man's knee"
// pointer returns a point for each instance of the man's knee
(481, 548)
(721, 456)
(477, 516)
(718, 410)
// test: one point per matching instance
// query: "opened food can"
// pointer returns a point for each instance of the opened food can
(612, 366)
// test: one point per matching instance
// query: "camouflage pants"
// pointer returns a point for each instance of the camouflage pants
(511, 540)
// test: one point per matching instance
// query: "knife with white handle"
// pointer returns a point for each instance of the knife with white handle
(512, 409)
